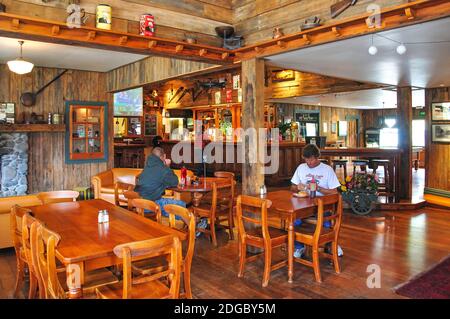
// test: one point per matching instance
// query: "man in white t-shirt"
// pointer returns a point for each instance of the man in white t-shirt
(325, 177)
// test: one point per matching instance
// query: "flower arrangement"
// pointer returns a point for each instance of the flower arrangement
(360, 182)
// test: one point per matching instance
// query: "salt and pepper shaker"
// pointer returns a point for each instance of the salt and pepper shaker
(100, 216)
(263, 190)
(103, 216)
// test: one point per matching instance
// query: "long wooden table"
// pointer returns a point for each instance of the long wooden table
(290, 208)
(87, 245)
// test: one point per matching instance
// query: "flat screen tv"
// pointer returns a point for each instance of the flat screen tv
(128, 103)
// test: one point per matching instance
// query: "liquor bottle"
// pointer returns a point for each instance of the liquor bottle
(312, 188)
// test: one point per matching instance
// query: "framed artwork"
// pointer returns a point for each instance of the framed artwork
(440, 111)
(281, 76)
(218, 97)
(240, 95)
(151, 124)
(342, 128)
(333, 128)
(325, 127)
(7, 112)
(440, 133)
(236, 82)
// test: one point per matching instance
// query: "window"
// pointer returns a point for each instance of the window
(389, 134)
(418, 133)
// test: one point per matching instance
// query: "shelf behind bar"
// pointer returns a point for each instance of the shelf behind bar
(30, 128)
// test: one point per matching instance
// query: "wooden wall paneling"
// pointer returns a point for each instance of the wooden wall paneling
(437, 155)
(256, 19)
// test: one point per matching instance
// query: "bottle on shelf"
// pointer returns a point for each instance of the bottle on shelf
(183, 176)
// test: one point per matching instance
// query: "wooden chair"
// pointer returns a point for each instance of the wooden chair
(52, 278)
(313, 234)
(119, 189)
(35, 282)
(188, 223)
(16, 216)
(130, 195)
(141, 204)
(252, 211)
(58, 196)
(147, 286)
(215, 212)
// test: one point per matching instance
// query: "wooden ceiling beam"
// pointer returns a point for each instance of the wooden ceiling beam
(35, 29)
(418, 11)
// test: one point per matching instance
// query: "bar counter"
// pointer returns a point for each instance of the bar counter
(290, 156)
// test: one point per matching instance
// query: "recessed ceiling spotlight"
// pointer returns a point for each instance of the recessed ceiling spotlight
(319, 104)
(441, 85)
(401, 49)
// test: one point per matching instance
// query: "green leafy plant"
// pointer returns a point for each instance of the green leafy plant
(283, 127)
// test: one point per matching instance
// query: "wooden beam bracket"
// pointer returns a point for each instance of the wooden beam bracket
(152, 44)
(410, 13)
(15, 24)
(91, 35)
(55, 30)
(123, 40)
(281, 44)
(307, 39)
(202, 52)
(336, 32)
(179, 48)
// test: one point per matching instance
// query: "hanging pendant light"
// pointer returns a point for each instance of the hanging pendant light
(373, 49)
(19, 65)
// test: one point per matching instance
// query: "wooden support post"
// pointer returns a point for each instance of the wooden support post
(404, 116)
(252, 117)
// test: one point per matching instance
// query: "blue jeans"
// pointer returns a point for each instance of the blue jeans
(298, 222)
(165, 201)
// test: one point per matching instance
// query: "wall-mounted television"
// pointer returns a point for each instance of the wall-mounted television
(128, 103)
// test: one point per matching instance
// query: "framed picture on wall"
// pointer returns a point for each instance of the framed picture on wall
(325, 127)
(333, 128)
(440, 111)
(342, 128)
(440, 133)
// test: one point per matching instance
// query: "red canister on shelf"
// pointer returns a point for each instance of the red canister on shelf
(147, 25)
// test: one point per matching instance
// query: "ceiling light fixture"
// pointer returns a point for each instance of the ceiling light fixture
(373, 49)
(401, 49)
(19, 65)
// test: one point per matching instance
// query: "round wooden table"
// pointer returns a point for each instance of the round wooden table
(203, 186)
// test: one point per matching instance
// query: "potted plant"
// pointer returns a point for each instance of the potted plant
(360, 192)
(283, 127)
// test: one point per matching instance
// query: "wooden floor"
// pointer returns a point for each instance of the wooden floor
(403, 245)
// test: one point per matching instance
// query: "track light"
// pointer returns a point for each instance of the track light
(401, 49)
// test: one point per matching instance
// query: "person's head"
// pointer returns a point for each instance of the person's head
(311, 154)
(156, 142)
(159, 152)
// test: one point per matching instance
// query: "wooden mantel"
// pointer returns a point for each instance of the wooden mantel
(31, 128)
(35, 29)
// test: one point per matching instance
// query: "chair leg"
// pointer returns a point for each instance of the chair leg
(231, 224)
(19, 277)
(33, 286)
(187, 282)
(334, 248)
(242, 258)
(316, 265)
(212, 229)
(267, 265)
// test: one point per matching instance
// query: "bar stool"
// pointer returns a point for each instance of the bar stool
(340, 163)
(362, 164)
(386, 187)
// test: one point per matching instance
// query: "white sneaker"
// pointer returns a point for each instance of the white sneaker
(298, 253)
(202, 225)
(340, 251)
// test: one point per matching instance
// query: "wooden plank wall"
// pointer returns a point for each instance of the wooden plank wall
(256, 19)
(47, 170)
(174, 19)
(437, 161)
(149, 70)
(328, 115)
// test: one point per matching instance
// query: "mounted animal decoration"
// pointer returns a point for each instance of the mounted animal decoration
(29, 98)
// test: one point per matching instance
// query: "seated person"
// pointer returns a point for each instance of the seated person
(155, 178)
(326, 179)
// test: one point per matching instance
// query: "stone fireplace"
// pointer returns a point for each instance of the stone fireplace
(13, 164)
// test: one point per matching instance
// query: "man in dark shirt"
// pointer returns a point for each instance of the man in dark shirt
(155, 178)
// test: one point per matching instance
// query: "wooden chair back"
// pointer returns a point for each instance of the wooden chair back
(43, 248)
(27, 221)
(330, 205)
(16, 216)
(151, 248)
(141, 204)
(252, 212)
(129, 195)
(119, 189)
(58, 196)
(189, 227)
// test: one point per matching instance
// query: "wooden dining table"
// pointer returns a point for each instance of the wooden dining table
(203, 186)
(285, 205)
(87, 245)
